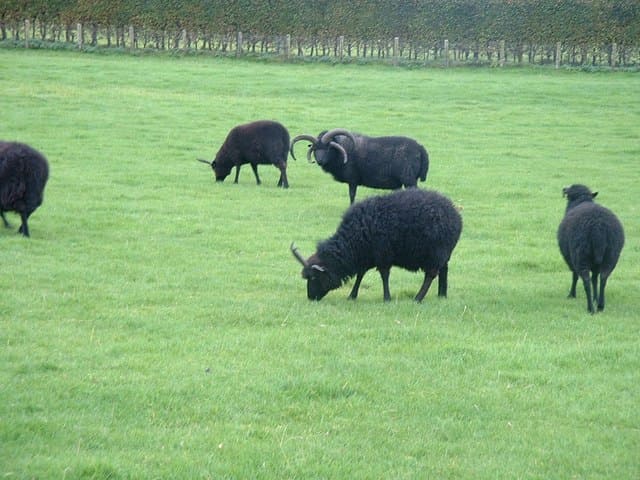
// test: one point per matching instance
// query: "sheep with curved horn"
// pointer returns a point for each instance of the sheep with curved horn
(376, 162)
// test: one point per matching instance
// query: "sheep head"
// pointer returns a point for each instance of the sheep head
(319, 279)
(220, 174)
(322, 145)
(577, 194)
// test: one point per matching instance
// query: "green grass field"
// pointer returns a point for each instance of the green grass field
(156, 326)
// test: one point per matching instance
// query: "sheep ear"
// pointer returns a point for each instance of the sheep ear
(594, 194)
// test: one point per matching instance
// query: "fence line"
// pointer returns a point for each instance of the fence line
(395, 51)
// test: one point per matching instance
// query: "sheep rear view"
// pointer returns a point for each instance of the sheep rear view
(23, 175)
(413, 229)
(590, 238)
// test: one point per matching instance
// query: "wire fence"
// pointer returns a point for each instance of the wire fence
(341, 49)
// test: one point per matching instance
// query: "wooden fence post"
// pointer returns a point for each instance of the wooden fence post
(287, 46)
(503, 53)
(132, 38)
(396, 50)
(558, 54)
(184, 38)
(446, 53)
(239, 44)
(27, 27)
(80, 36)
(341, 47)
(614, 54)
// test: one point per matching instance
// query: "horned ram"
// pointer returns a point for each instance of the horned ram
(376, 162)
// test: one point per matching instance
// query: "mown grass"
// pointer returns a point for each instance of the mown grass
(155, 325)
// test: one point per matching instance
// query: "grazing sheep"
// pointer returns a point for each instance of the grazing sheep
(591, 238)
(376, 162)
(413, 229)
(23, 175)
(262, 142)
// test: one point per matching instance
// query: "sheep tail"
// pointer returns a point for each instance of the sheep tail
(599, 244)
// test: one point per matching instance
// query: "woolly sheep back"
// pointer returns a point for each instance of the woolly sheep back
(590, 238)
(413, 229)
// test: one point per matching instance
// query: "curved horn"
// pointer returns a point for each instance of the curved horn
(309, 152)
(298, 255)
(337, 146)
(204, 161)
(327, 137)
(309, 138)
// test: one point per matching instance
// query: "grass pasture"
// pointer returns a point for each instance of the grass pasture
(155, 324)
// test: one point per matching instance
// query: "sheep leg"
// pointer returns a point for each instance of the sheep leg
(384, 273)
(442, 280)
(586, 281)
(4, 220)
(283, 182)
(24, 228)
(237, 173)
(594, 284)
(254, 167)
(603, 283)
(356, 286)
(352, 192)
(429, 275)
(574, 282)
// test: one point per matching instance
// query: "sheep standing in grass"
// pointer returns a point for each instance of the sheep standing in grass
(591, 238)
(23, 174)
(413, 229)
(376, 162)
(262, 142)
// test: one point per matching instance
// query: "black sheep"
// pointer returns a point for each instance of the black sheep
(262, 142)
(591, 238)
(376, 162)
(413, 229)
(23, 175)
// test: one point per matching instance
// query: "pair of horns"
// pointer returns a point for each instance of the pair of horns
(326, 139)
(204, 161)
